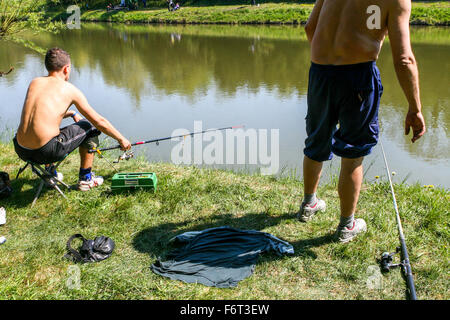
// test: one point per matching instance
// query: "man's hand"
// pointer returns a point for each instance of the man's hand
(76, 117)
(415, 121)
(125, 144)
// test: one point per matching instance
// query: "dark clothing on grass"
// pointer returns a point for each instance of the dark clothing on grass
(218, 257)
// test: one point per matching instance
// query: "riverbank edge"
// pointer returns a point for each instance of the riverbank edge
(7, 155)
(190, 199)
(266, 14)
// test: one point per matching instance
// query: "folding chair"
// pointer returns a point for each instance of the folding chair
(46, 179)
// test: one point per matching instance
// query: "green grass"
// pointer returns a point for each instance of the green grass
(423, 13)
(141, 223)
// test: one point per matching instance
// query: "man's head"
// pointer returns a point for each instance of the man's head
(58, 61)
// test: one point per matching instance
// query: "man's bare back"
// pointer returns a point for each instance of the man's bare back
(46, 104)
(341, 34)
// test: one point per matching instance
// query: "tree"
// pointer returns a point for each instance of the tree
(17, 16)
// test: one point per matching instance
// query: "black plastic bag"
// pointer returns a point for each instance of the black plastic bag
(95, 250)
(5, 185)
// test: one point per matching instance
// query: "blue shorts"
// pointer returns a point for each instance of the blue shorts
(348, 95)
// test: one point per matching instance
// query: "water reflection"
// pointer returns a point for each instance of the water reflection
(231, 66)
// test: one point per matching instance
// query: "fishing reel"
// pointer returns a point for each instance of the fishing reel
(386, 261)
(127, 155)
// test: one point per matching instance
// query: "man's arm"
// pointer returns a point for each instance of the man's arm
(69, 113)
(75, 115)
(97, 120)
(406, 65)
(311, 25)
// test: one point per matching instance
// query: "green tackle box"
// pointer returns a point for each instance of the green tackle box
(131, 181)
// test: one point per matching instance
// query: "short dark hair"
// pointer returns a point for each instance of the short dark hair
(56, 59)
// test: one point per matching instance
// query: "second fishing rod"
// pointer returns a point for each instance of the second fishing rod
(166, 138)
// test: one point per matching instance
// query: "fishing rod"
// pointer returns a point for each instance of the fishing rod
(387, 258)
(95, 150)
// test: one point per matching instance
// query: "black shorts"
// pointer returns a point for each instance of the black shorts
(347, 95)
(82, 134)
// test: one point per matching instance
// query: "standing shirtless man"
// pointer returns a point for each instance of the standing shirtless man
(39, 138)
(345, 88)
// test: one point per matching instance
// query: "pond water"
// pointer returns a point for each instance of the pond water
(150, 80)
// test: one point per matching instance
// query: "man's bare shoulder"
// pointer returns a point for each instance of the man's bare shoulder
(70, 86)
(396, 5)
(391, 5)
(44, 81)
(38, 81)
(73, 90)
(45, 86)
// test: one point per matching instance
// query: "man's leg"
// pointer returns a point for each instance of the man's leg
(355, 138)
(312, 171)
(321, 120)
(82, 136)
(350, 181)
(87, 179)
(86, 158)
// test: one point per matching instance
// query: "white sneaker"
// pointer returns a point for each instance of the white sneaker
(307, 211)
(2, 216)
(59, 176)
(51, 172)
(348, 234)
(84, 185)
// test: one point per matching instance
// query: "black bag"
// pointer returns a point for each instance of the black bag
(5, 185)
(95, 250)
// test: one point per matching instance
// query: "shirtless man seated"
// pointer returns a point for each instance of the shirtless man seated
(345, 88)
(39, 138)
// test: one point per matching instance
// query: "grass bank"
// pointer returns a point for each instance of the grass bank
(423, 13)
(141, 223)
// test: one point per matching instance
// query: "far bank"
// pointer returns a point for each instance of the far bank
(423, 13)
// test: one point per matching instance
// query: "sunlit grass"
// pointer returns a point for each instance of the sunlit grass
(141, 223)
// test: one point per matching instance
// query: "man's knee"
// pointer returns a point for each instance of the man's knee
(90, 143)
(309, 159)
(350, 164)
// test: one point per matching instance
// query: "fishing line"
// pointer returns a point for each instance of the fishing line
(104, 159)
